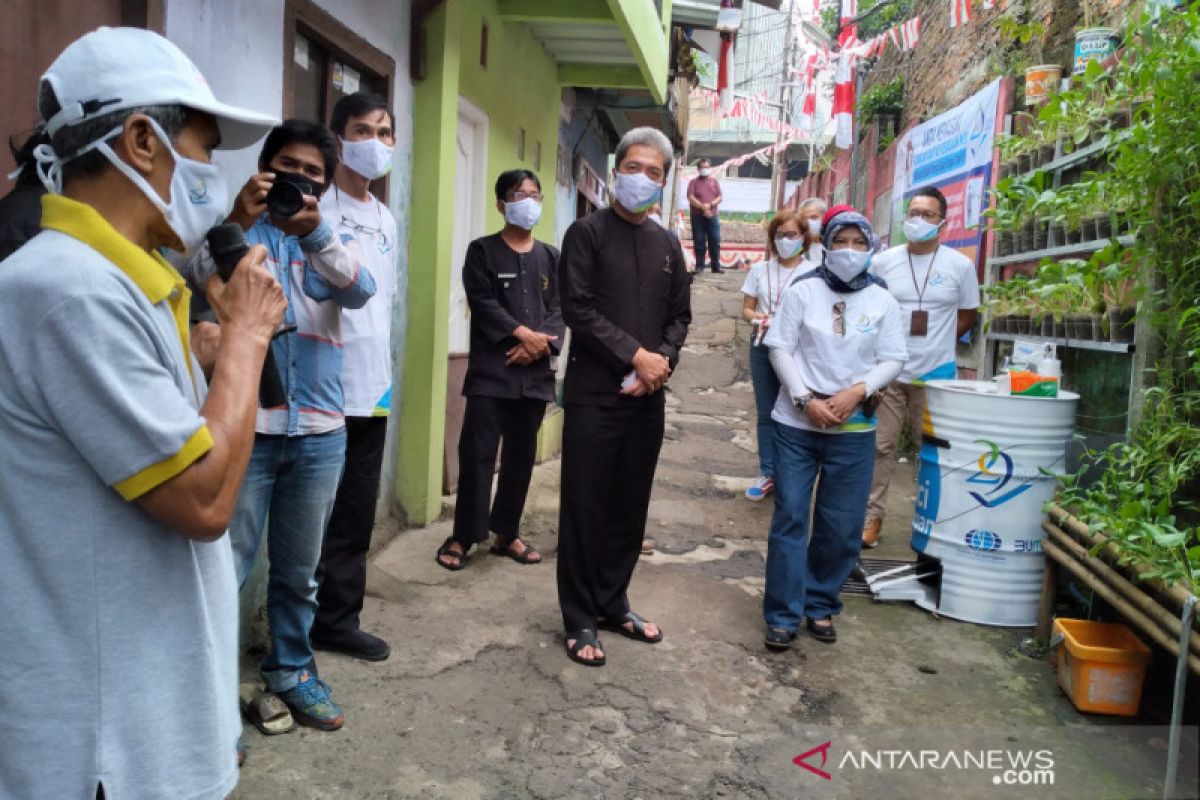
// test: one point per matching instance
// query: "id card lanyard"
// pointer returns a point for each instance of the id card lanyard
(919, 322)
(778, 296)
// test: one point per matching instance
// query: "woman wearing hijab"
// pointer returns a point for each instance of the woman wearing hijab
(835, 342)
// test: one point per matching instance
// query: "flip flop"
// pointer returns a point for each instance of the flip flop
(639, 628)
(445, 550)
(265, 710)
(583, 638)
(501, 548)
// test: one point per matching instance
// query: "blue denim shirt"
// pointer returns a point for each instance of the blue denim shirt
(321, 274)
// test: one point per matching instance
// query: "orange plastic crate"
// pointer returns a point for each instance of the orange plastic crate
(1101, 666)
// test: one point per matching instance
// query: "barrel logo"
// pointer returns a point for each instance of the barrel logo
(983, 540)
(995, 471)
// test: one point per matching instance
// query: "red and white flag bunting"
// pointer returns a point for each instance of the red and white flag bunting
(726, 80)
(843, 76)
(960, 12)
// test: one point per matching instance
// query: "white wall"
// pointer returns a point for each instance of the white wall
(238, 45)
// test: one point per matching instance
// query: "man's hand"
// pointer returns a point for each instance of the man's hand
(206, 341)
(251, 304)
(518, 354)
(844, 402)
(251, 201)
(652, 369)
(537, 344)
(639, 389)
(303, 222)
(819, 413)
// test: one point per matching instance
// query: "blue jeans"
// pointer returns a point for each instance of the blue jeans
(766, 390)
(804, 576)
(295, 478)
(706, 234)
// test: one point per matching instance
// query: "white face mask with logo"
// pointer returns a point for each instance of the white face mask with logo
(788, 248)
(917, 229)
(199, 195)
(635, 192)
(370, 158)
(523, 213)
(847, 264)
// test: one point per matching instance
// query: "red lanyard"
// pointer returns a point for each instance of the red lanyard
(782, 284)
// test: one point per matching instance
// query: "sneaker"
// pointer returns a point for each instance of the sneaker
(356, 643)
(760, 489)
(311, 703)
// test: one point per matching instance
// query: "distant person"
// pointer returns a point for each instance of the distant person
(836, 341)
(21, 208)
(938, 291)
(511, 280)
(765, 284)
(704, 199)
(625, 296)
(120, 465)
(812, 210)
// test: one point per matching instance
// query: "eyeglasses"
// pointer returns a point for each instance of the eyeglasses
(928, 216)
(839, 318)
(650, 171)
(359, 228)
(516, 197)
(788, 234)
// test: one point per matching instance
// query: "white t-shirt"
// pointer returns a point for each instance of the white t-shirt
(767, 281)
(827, 362)
(366, 331)
(953, 285)
(815, 255)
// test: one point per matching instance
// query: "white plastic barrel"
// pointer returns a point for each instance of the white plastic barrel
(982, 482)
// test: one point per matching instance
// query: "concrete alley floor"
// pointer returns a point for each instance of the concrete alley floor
(479, 700)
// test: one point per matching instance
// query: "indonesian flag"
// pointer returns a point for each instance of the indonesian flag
(808, 109)
(725, 76)
(960, 12)
(843, 100)
(910, 33)
(849, 28)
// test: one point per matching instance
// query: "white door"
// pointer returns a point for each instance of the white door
(470, 194)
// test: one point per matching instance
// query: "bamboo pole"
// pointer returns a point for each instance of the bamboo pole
(1169, 623)
(1110, 596)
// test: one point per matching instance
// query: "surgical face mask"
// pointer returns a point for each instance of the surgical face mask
(847, 264)
(704, 172)
(523, 213)
(199, 195)
(814, 227)
(635, 192)
(370, 158)
(788, 248)
(917, 229)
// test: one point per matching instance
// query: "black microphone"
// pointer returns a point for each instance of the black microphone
(227, 245)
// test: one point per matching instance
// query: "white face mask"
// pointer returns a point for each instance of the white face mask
(199, 195)
(846, 263)
(704, 172)
(370, 158)
(920, 230)
(635, 192)
(814, 227)
(787, 248)
(523, 213)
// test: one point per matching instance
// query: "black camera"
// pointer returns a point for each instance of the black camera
(285, 198)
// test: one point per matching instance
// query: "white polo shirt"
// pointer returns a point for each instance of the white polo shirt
(945, 281)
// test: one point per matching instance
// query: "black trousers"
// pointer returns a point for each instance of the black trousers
(488, 420)
(342, 573)
(608, 462)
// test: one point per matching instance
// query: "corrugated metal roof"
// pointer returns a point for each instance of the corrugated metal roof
(583, 44)
(703, 13)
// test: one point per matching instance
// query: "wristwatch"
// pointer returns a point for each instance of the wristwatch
(802, 402)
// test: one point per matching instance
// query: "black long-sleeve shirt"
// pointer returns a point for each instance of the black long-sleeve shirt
(506, 289)
(624, 286)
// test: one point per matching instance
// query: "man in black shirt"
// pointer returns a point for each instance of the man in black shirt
(511, 280)
(625, 296)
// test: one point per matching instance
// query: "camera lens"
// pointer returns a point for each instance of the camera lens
(284, 199)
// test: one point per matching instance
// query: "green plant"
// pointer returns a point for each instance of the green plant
(882, 99)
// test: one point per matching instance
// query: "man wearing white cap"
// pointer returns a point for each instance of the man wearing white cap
(120, 468)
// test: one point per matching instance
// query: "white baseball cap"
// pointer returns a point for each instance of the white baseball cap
(114, 68)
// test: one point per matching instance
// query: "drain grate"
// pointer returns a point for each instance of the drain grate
(857, 582)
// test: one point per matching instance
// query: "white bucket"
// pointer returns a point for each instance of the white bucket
(980, 492)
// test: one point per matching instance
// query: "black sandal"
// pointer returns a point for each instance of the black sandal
(445, 550)
(639, 628)
(584, 638)
(526, 556)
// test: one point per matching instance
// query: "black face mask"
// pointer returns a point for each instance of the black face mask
(285, 198)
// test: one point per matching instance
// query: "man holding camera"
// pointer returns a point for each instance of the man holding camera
(120, 467)
(301, 440)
